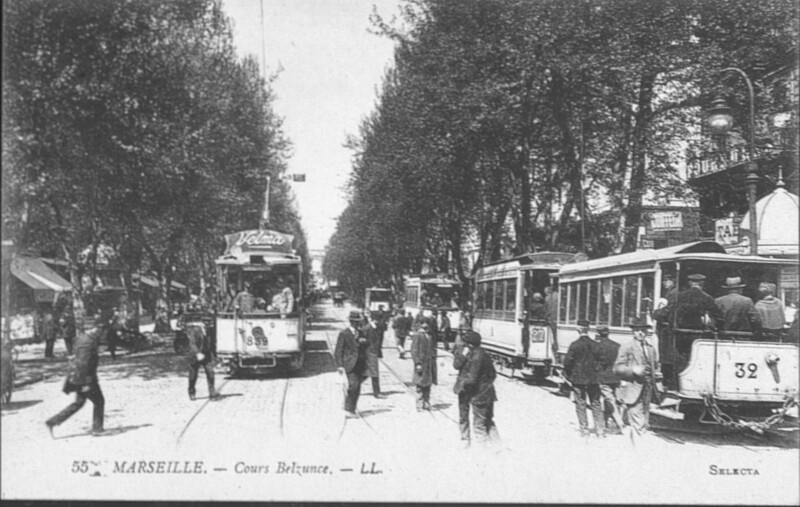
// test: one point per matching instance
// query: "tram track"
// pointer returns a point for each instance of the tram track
(197, 412)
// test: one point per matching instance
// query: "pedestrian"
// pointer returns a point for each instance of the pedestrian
(48, 330)
(738, 312)
(401, 326)
(351, 360)
(444, 329)
(67, 325)
(580, 366)
(373, 333)
(771, 312)
(199, 354)
(475, 388)
(607, 380)
(638, 365)
(423, 353)
(115, 328)
(551, 314)
(82, 380)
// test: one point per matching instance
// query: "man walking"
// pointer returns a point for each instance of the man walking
(351, 359)
(402, 326)
(82, 380)
(374, 335)
(608, 382)
(638, 365)
(423, 353)
(200, 353)
(580, 367)
(475, 386)
(444, 329)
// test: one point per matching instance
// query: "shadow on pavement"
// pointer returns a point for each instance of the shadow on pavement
(369, 413)
(109, 432)
(220, 397)
(150, 366)
(441, 406)
(19, 405)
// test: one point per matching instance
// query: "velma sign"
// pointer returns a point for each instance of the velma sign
(258, 240)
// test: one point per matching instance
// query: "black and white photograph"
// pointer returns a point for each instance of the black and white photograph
(483, 251)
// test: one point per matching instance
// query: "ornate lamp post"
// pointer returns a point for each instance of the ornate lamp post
(720, 121)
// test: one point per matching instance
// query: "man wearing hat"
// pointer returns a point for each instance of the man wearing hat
(738, 311)
(637, 366)
(374, 335)
(608, 381)
(580, 366)
(475, 386)
(692, 304)
(351, 358)
(423, 353)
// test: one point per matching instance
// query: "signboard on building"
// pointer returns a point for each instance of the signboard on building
(666, 221)
(726, 232)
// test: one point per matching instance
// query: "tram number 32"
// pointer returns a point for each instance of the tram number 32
(746, 370)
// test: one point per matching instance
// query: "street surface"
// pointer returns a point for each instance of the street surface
(284, 437)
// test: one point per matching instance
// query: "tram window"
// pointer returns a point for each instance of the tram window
(499, 292)
(592, 314)
(480, 296)
(489, 295)
(511, 299)
(605, 301)
(646, 304)
(573, 302)
(616, 301)
(583, 299)
(631, 297)
(411, 295)
(562, 305)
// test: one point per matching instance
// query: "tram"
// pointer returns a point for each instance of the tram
(260, 322)
(433, 291)
(705, 372)
(377, 297)
(503, 294)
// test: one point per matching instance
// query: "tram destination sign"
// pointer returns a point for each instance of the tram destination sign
(258, 240)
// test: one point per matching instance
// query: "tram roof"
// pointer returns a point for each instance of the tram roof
(708, 250)
(257, 259)
(383, 289)
(438, 278)
(557, 258)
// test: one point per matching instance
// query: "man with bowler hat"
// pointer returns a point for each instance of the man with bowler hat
(581, 366)
(693, 309)
(637, 366)
(351, 359)
(374, 335)
(607, 380)
(423, 353)
(475, 386)
(738, 312)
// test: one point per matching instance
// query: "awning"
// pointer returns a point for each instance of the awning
(38, 276)
(152, 282)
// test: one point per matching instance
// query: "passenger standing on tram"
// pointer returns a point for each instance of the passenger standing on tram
(608, 381)
(372, 332)
(244, 301)
(475, 386)
(581, 366)
(444, 329)
(771, 311)
(738, 311)
(693, 308)
(423, 353)
(637, 366)
(672, 361)
(551, 313)
(351, 360)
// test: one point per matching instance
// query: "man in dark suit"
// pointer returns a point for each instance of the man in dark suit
(608, 382)
(351, 359)
(402, 326)
(82, 380)
(693, 309)
(423, 353)
(200, 353)
(738, 312)
(475, 386)
(638, 368)
(580, 366)
(374, 335)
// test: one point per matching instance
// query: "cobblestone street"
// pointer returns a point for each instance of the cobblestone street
(270, 438)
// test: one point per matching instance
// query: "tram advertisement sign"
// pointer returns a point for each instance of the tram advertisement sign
(666, 221)
(726, 232)
(259, 240)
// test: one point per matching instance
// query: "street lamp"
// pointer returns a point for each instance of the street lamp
(720, 121)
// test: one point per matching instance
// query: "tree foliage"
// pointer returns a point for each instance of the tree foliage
(513, 125)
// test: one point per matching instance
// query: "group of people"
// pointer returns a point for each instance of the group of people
(282, 301)
(618, 381)
(52, 326)
(358, 348)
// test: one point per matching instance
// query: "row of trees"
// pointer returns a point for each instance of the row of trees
(133, 124)
(513, 125)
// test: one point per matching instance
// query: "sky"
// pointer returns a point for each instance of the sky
(331, 68)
